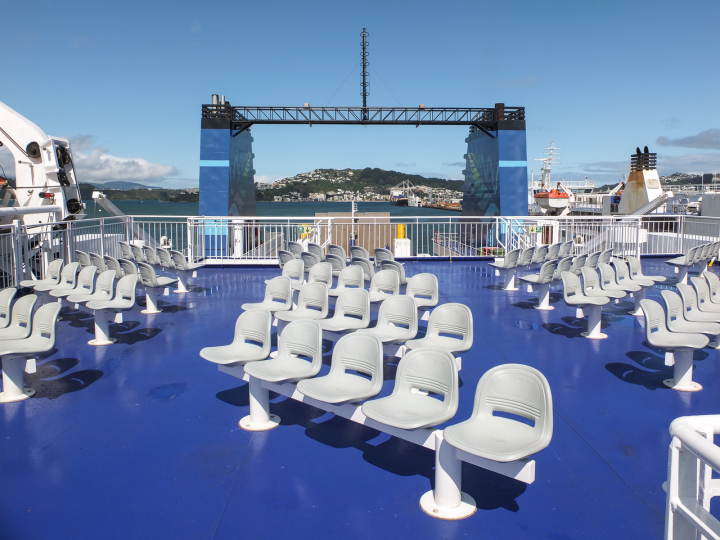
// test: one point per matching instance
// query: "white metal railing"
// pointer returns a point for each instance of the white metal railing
(690, 486)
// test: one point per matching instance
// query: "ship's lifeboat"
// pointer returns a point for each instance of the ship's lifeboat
(553, 198)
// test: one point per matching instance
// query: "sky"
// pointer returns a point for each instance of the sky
(125, 81)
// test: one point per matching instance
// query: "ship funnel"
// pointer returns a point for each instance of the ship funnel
(214, 99)
(222, 100)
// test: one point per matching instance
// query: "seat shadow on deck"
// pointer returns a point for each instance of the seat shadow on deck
(47, 386)
(532, 302)
(573, 327)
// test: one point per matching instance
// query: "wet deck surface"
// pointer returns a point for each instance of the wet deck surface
(140, 439)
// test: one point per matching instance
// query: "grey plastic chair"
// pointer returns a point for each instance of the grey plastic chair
(111, 263)
(608, 283)
(299, 355)
(16, 352)
(679, 347)
(152, 282)
(309, 260)
(360, 352)
(683, 264)
(542, 281)
(104, 289)
(385, 284)
(623, 279)
(82, 258)
(138, 253)
(252, 340)
(714, 284)
(85, 284)
(296, 249)
(540, 254)
(452, 319)
(319, 273)
(676, 322)
(165, 260)
(21, 319)
(565, 250)
(349, 279)
(53, 272)
(636, 271)
(294, 270)
(367, 266)
(690, 306)
(605, 256)
(312, 304)
(278, 296)
(129, 267)
(105, 309)
(284, 256)
(6, 298)
(564, 265)
(702, 291)
(593, 259)
(68, 278)
(574, 297)
(317, 250)
(578, 263)
(395, 266)
(507, 267)
(591, 285)
(352, 312)
(182, 267)
(337, 262)
(98, 262)
(424, 290)
(126, 251)
(358, 252)
(397, 321)
(510, 388)
(525, 258)
(382, 254)
(553, 251)
(151, 255)
(424, 371)
(337, 250)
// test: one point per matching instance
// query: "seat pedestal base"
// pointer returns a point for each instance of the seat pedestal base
(150, 302)
(544, 298)
(510, 281)
(682, 374)
(102, 329)
(13, 375)
(466, 508)
(594, 323)
(637, 310)
(259, 418)
(247, 424)
(182, 282)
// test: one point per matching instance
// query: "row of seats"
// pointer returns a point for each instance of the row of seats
(170, 261)
(700, 256)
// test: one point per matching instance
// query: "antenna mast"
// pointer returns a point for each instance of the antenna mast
(364, 83)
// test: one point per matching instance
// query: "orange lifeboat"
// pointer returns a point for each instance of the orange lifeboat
(554, 198)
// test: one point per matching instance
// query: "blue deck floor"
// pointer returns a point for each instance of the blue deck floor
(140, 439)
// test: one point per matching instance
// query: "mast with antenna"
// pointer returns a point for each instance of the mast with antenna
(364, 84)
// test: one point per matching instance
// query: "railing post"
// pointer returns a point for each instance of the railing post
(17, 252)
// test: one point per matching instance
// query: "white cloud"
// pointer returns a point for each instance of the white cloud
(705, 140)
(689, 163)
(267, 179)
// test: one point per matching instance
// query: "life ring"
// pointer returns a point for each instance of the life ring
(675, 209)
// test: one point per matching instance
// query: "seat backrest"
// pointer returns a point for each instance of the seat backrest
(701, 290)
(563, 266)
(22, 312)
(302, 338)
(254, 325)
(689, 298)
(337, 250)
(6, 298)
(279, 288)
(314, 295)
(511, 258)
(455, 320)
(399, 311)
(150, 255)
(105, 282)
(294, 269)
(673, 309)
(338, 263)
(126, 251)
(309, 259)
(387, 281)
(295, 248)
(165, 258)
(655, 328)
(138, 253)
(321, 273)
(423, 286)
(83, 258)
(284, 256)
(126, 288)
(354, 303)
(565, 250)
(526, 256)
(713, 283)
(540, 253)
(43, 327)
(607, 275)
(553, 251)
(578, 263)
(622, 274)
(54, 268)
(178, 260)
(605, 256)
(366, 265)
(128, 267)
(635, 267)
(590, 280)
(316, 249)
(432, 370)
(351, 276)
(359, 252)
(701, 254)
(547, 271)
(394, 266)
(593, 259)
(518, 390)
(362, 352)
(69, 273)
(382, 254)
(147, 275)
(690, 256)
(86, 280)
(571, 285)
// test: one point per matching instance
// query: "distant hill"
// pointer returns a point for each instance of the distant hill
(122, 184)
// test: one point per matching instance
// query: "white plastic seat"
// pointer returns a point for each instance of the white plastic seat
(714, 284)
(678, 347)
(337, 262)
(98, 262)
(319, 273)
(359, 252)
(608, 283)
(636, 271)
(578, 263)
(296, 249)
(542, 281)
(525, 258)
(138, 253)
(350, 278)
(553, 251)
(182, 267)
(15, 353)
(507, 267)
(152, 282)
(424, 290)
(82, 258)
(278, 296)
(360, 352)
(20, 319)
(565, 250)
(6, 299)
(397, 321)
(690, 305)
(317, 250)
(338, 251)
(420, 372)
(574, 297)
(299, 355)
(126, 251)
(591, 285)
(284, 256)
(251, 342)
(151, 255)
(165, 260)
(704, 304)
(53, 273)
(563, 265)
(85, 284)
(605, 256)
(105, 309)
(111, 263)
(623, 278)
(309, 260)
(510, 388)
(683, 264)
(385, 284)
(397, 267)
(539, 254)
(104, 289)
(367, 266)
(676, 321)
(352, 312)
(382, 254)
(68, 278)
(312, 304)
(294, 270)
(129, 267)
(593, 259)
(453, 319)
